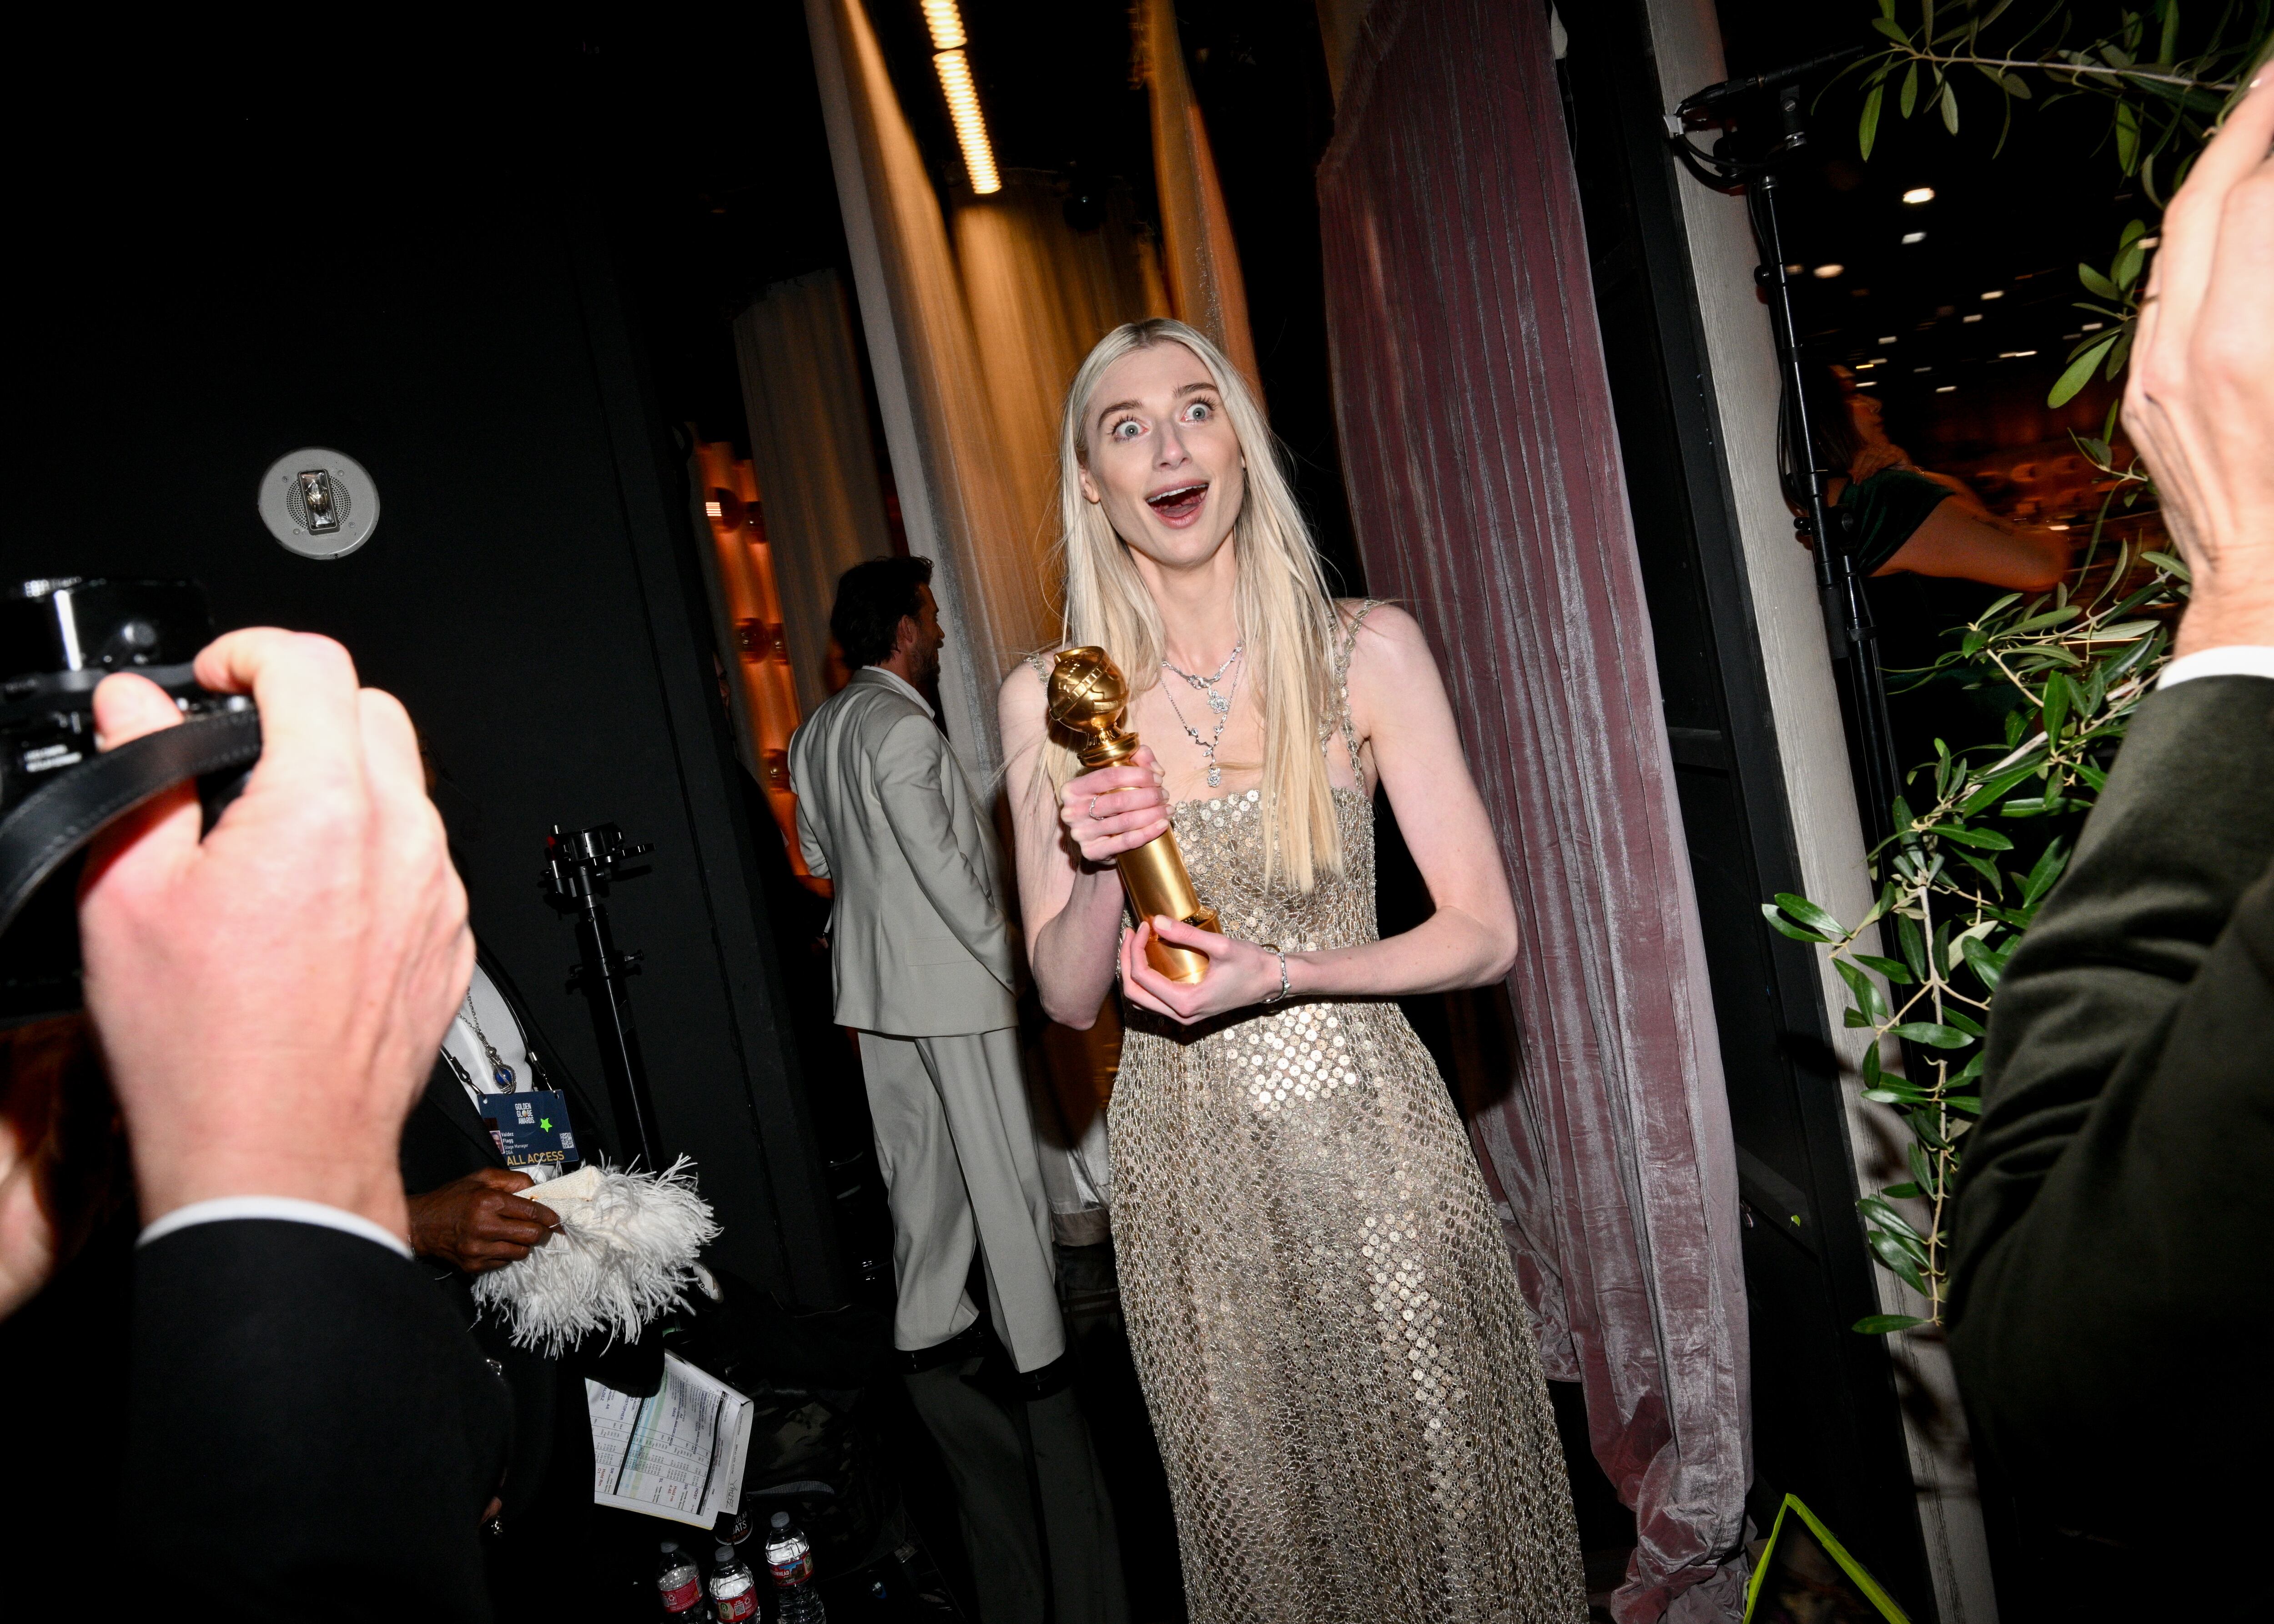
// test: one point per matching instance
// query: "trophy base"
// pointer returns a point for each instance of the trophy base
(1182, 964)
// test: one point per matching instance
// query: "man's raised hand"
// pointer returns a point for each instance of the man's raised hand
(2200, 402)
(270, 998)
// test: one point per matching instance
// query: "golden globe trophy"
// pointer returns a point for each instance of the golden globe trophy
(1087, 695)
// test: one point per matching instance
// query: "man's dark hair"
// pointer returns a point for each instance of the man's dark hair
(871, 599)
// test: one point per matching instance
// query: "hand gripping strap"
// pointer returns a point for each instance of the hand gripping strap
(44, 833)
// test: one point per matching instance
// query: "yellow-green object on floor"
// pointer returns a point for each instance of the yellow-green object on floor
(1806, 1576)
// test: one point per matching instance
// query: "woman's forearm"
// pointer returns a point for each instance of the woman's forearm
(1072, 954)
(1449, 951)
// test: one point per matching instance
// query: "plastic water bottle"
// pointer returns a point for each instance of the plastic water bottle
(679, 1582)
(734, 1587)
(789, 1555)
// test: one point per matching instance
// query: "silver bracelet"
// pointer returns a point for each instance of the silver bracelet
(1284, 986)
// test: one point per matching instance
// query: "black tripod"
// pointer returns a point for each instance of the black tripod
(579, 865)
(1847, 623)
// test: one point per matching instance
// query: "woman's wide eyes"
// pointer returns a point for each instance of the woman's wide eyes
(1199, 411)
(1127, 429)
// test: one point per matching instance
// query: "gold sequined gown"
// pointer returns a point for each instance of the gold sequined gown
(1346, 1394)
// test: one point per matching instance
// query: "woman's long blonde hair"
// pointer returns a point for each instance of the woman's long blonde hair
(1286, 616)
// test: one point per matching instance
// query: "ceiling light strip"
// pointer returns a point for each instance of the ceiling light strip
(948, 40)
(946, 25)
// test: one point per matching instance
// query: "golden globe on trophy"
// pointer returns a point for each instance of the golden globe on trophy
(1087, 695)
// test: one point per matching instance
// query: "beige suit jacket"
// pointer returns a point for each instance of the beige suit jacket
(921, 946)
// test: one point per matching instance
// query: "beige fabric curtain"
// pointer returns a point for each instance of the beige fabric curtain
(956, 502)
(1040, 295)
(976, 317)
(1204, 280)
(1339, 21)
(824, 511)
(991, 303)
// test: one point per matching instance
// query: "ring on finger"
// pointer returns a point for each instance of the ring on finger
(1093, 808)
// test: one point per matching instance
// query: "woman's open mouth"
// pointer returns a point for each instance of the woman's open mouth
(1179, 504)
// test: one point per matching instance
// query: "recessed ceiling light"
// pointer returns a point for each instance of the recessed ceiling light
(1995, 293)
(1945, 388)
(1921, 369)
(2094, 327)
(1889, 338)
(2056, 527)
(1867, 383)
(1914, 236)
(1794, 270)
(1977, 315)
(2015, 355)
(1919, 194)
(2066, 336)
(1827, 272)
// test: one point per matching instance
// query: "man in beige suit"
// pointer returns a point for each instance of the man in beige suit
(922, 959)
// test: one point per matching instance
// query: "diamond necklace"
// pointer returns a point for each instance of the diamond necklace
(1206, 685)
(1218, 702)
(501, 1074)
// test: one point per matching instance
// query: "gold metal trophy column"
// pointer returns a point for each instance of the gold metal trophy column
(1087, 695)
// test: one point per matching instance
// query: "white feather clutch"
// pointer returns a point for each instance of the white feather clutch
(625, 1253)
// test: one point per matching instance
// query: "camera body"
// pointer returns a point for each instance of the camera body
(59, 638)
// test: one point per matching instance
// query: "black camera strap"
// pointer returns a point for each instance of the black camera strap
(51, 826)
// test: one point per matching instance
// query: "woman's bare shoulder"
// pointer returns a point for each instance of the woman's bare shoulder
(1386, 637)
(1022, 701)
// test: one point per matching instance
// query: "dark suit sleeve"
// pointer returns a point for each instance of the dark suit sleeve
(2109, 1310)
(319, 1428)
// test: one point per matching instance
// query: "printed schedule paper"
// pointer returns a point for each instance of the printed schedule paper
(679, 1455)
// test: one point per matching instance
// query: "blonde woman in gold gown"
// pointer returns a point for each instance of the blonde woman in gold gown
(1325, 1320)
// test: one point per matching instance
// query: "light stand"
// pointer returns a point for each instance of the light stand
(579, 866)
(1847, 623)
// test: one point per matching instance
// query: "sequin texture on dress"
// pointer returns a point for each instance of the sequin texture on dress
(1346, 1393)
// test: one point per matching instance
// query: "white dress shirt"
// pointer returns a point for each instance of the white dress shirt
(463, 1044)
(908, 687)
(220, 1209)
(2236, 659)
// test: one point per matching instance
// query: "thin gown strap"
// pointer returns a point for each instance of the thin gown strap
(1041, 671)
(1366, 607)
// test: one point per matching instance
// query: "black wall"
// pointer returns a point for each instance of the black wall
(216, 278)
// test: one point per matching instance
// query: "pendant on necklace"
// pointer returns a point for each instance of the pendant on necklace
(1217, 703)
(503, 1076)
(1216, 775)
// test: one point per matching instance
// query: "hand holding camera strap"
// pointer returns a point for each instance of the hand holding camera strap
(51, 826)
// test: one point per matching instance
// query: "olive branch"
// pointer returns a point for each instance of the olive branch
(1957, 892)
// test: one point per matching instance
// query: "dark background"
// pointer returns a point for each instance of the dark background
(2017, 204)
(431, 288)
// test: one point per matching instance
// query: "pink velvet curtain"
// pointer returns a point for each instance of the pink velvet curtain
(1483, 479)
(1203, 261)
